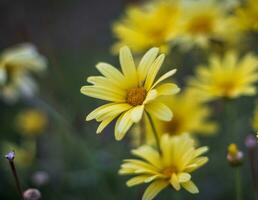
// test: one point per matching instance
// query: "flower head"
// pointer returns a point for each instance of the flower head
(172, 167)
(131, 92)
(189, 116)
(31, 122)
(203, 21)
(235, 156)
(16, 64)
(246, 16)
(228, 77)
(154, 24)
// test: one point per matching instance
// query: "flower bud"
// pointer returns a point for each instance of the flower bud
(250, 142)
(234, 156)
(32, 194)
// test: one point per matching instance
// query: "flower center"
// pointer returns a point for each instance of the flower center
(201, 24)
(168, 171)
(136, 96)
(173, 127)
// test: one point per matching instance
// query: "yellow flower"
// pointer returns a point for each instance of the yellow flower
(189, 116)
(131, 92)
(203, 21)
(25, 153)
(228, 77)
(31, 122)
(246, 16)
(234, 156)
(15, 65)
(147, 26)
(255, 119)
(172, 167)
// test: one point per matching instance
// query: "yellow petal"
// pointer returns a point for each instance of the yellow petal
(167, 89)
(123, 124)
(190, 187)
(159, 110)
(154, 69)
(148, 154)
(183, 177)
(127, 64)
(146, 63)
(100, 93)
(137, 113)
(92, 115)
(175, 182)
(110, 72)
(150, 96)
(153, 189)
(164, 76)
(105, 123)
(136, 180)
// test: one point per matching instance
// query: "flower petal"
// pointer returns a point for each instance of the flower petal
(137, 113)
(110, 72)
(123, 124)
(175, 182)
(159, 110)
(190, 187)
(167, 89)
(165, 76)
(146, 63)
(105, 123)
(153, 189)
(183, 177)
(136, 180)
(153, 71)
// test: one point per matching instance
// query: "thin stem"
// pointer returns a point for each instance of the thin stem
(238, 184)
(155, 133)
(17, 182)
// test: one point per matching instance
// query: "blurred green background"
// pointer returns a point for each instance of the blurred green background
(74, 36)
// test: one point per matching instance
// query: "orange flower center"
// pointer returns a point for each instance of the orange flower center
(136, 96)
(168, 171)
(201, 24)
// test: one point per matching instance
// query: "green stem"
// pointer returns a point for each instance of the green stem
(155, 133)
(238, 184)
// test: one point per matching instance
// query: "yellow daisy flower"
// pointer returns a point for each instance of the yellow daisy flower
(154, 24)
(246, 16)
(31, 122)
(189, 116)
(15, 65)
(203, 21)
(228, 77)
(172, 167)
(131, 92)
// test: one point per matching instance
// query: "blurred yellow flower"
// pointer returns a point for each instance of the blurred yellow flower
(153, 24)
(131, 92)
(172, 167)
(203, 21)
(25, 153)
(255, 119)
(246, 16)
(234, 156)
(228, 77)
(31, 122)
(189, 116)
(15, 65)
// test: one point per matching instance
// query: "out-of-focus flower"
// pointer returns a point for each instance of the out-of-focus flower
(234, 156)
(246, 16)
(154, 24)
(250, 142)
(178, 158)
(228, 77)
(31, 122)
(255, 119)
(40, 178)
(203, 22)
(32, 194)
(16, 64)
(24, 153)
(189, 116)
(131, 92)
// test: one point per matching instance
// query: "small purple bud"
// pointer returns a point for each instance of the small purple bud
(10, 156)
(250, 142)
